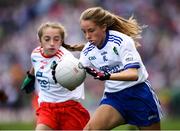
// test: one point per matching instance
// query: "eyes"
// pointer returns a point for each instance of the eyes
(48, 38)
(91, 30)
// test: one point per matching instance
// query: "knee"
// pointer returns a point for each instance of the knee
(88, 127)
(40, 127)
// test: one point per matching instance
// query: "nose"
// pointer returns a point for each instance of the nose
(52, 43)
(87, 36)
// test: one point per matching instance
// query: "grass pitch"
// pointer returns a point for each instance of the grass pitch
(168, 124)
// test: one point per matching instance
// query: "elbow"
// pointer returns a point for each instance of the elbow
(134, 74)
(135, 78)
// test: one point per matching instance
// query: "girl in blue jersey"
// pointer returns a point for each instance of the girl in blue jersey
(111, 55)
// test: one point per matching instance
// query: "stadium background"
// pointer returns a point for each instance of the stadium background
(160, 51)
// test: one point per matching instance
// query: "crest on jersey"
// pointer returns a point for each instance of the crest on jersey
(115, 51)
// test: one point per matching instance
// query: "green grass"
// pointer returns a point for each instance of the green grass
(168, 124)
(17, 126)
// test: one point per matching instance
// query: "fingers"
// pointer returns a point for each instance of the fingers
(101, 75)
(91, 71)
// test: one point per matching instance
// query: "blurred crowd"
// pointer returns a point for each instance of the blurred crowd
(160, 51)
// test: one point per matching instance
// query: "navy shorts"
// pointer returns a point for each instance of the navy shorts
(138, 104)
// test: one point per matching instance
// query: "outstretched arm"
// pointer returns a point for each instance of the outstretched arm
(130, 74)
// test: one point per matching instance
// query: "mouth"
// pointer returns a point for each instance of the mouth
(51, 49)
(91, 41)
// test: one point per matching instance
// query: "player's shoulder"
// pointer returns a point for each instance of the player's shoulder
(118, 34)
(88, 48)
(120, 38)
(36, 53)
(63, 50)
(37, 50)
(88, 45)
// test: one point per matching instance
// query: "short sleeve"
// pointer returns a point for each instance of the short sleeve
(129, 54)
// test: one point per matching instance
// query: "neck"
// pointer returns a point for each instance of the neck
(102, 42)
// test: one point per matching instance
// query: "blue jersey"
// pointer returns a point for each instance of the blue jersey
(117, 53)
(135, 100)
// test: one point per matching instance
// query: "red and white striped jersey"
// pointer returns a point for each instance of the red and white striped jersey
(49, 91)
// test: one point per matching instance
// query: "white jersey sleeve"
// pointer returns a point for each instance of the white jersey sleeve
(128, 54)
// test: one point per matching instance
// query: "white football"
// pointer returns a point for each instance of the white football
(69, 73)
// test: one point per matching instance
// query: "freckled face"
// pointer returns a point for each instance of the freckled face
(50, 41)
(93, 33)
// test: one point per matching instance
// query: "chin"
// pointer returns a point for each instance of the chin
(51, 53)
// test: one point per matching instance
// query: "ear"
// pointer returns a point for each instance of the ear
(104, 27)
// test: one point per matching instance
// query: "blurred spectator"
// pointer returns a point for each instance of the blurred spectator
(3, 96)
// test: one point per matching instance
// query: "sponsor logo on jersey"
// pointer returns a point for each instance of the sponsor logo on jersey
(105, 58)
(104, 53)
(39, 74)
(44, 82)
(112, 69)
(92, 58)
(129, 58)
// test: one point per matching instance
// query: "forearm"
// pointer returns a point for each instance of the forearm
(28, 84)
(31, 71)
(126, 75)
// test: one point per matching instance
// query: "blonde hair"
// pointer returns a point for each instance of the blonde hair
(101, 17)
(62, 32)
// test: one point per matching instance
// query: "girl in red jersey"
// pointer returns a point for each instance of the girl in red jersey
(59, 108)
